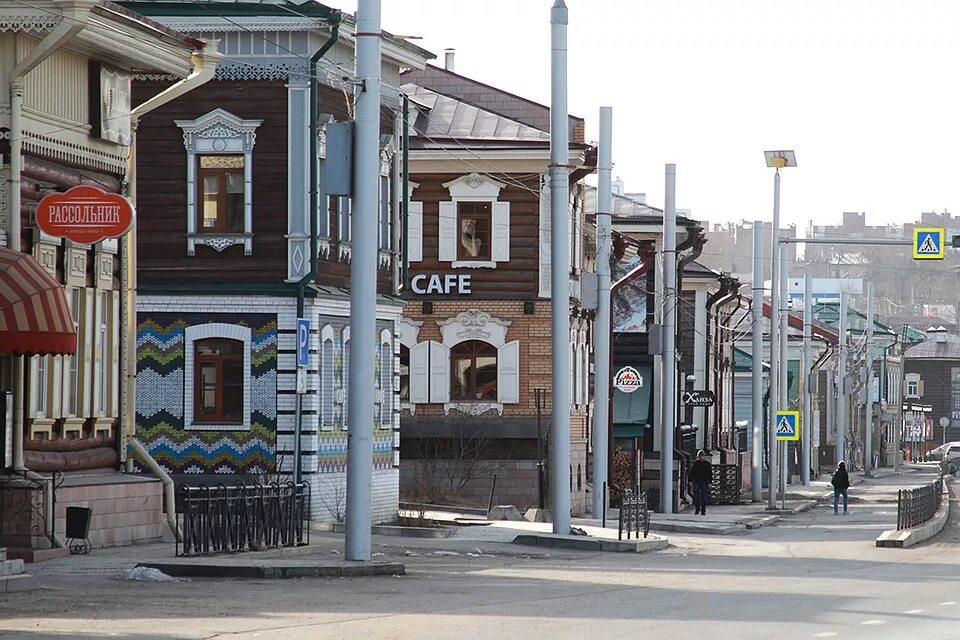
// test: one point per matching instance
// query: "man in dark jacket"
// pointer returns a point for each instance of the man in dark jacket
(840, 482)
(701, 476)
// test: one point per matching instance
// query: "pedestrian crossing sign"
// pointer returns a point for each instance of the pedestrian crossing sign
(788, 425)
(928, 243)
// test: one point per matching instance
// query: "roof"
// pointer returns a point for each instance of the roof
(818, 329)
(123, 13)
(930, 349)
(442, 116)
(484, 96)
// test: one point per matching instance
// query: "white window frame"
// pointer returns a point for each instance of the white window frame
(104, 357)
(474, 188)
(911, 385)
(327, 383)
(219, 132)
(385, 419)
(202, 332)
(346, 377)
(71, 369)
(41, 371)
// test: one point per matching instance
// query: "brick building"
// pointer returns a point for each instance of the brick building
(476, 326)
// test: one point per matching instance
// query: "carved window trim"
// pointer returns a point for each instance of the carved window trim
(219, 132)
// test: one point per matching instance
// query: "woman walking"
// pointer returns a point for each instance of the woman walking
(840, 482)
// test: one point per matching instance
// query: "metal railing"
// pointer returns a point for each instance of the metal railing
(231, 519)
(634, 516)
(916, 506)
(28, 504)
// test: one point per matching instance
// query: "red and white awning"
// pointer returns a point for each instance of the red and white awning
(34, 315)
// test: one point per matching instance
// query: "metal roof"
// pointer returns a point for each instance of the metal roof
(441, 116)
(933, 350)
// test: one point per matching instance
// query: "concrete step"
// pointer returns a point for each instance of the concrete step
(11, 568)
(21, 582)
(36, 555)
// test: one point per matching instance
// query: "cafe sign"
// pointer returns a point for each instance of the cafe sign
(85, 215)
(627, 380)
(449, 283)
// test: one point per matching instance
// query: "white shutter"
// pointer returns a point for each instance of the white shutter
(415, 232)
(508, 373)
(447, 247)
(420, 372)
(501, 232)
(439, 372)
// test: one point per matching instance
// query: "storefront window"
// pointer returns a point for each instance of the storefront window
(474, 220)
(473, 371)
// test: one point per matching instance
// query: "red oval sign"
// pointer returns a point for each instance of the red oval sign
(85, 214)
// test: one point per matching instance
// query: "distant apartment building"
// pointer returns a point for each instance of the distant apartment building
(730, 247)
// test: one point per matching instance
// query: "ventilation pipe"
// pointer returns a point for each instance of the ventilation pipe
(448, 55)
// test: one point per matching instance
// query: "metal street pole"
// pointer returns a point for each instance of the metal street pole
(868, 361)
(784, 386)
(668, 416)
(774, 348)
(841, 382)
(601, 324)
(363, 282)
(806, 423)
(756, 309)
(559, 267)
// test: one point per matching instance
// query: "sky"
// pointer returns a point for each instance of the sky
(865, 92)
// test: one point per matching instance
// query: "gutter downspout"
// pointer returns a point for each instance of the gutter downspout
(405, 194)
(719, 298)
(204, 67)
(169, 498)
(314, 163)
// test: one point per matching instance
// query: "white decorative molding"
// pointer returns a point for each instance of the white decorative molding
(545, 232)
(385, 259)
(323, 248)
(74, 153)
(474, 186)
(344, 252)
(408, 331)
(40, 20)
(474, 324)
(473, 264)
(219, 132)
(214, 330)
(4, 177)
(473, 408)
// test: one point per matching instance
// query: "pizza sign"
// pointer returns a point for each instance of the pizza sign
(85, 215)
(627, 380)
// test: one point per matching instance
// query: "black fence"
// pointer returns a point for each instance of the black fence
(24, 509)
(222, 519)
(725, 484)
(634, 516)
(916, 506)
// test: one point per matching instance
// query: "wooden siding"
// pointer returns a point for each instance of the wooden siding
(937, 392)
(514, 279)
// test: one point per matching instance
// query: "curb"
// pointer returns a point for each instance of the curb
(211, 570)
(584, 543)
(389, 530)
(908, 537)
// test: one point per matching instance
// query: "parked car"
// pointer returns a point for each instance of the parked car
(945, 451)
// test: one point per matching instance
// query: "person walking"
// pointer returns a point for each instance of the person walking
(840, 482)
(701, 475)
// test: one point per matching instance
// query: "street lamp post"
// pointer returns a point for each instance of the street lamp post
(777, 160)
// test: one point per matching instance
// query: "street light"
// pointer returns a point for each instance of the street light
(777, 160)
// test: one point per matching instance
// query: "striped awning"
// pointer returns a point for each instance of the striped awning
(34, 315)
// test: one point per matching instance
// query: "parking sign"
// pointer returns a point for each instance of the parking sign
(303, 342)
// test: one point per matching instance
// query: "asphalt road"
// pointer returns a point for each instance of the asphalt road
(814, 575)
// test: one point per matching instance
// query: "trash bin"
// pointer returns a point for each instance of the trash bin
(78, 522)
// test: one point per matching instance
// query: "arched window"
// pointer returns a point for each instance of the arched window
(326, 377)
(386, 379)
(218, 375)
(473, 371)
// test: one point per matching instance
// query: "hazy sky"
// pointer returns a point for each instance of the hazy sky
(865, 91)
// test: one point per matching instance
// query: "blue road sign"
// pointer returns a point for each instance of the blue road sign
(303, 342)
(928, 243)
(788, 425)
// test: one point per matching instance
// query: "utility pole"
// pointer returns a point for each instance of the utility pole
(756, 310)
(841, 382)
(784, 386)
(668, 416)
(363, 282)
(807, 376)
(559, 267)
(601, 324)
(868, 361)
(774, 348)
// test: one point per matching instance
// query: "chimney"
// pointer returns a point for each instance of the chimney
(448, 59)
(941, 334)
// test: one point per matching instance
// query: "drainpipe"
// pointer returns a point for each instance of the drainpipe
(169, 499)
(204, 67)
(719, 298)
(314, 164)
(405, 190)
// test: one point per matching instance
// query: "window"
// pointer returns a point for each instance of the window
(474, 233)
(104, 354)
(221, 194)
(326, 378)
(218, 375)
(473, 371)
(386, 379)
(914, 386)
(73, 384)
(40, 393)
(404, 373)
(346, 376)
